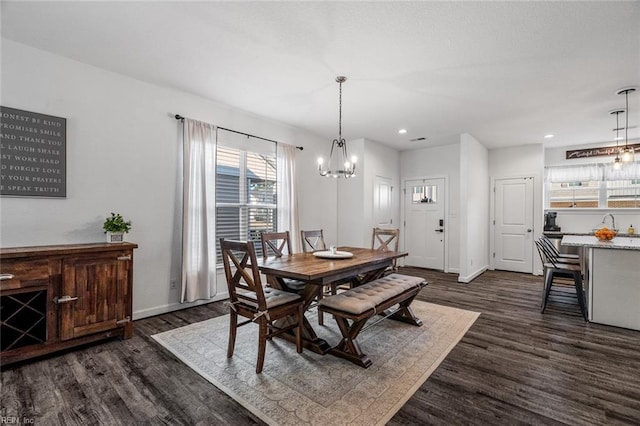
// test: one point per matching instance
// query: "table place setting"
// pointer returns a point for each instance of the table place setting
(333, 253)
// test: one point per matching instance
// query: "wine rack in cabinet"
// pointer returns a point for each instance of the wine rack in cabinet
(58, 297)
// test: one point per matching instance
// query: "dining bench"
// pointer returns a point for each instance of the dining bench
(365, 301)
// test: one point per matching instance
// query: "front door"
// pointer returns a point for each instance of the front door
(424, 224)
(514, 224)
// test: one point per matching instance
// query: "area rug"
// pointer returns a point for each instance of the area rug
(311, 389)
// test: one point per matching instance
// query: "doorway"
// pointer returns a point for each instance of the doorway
(424, 223)
(513, 224)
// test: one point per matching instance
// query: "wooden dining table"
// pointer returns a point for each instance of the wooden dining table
(365, 265)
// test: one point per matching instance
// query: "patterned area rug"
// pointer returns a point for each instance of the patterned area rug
(311, 389)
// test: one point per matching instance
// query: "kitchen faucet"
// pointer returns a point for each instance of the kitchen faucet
(613, 221)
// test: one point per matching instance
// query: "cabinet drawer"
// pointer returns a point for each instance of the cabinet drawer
(16, 274)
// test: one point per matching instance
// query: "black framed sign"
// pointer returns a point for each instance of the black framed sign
(33, 154)
(597, 152)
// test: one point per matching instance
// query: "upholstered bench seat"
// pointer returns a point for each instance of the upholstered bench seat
(368, 296)
(353, 308)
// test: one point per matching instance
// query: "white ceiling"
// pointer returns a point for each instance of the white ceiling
(506, 72)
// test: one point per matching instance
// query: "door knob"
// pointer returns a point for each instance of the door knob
(439, 230)
(529, 230)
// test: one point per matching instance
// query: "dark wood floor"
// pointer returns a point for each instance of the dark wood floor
(514, 366)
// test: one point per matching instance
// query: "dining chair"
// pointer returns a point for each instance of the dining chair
(250, 300)
(278, 244)
(386, 240)
(554, 268)
(312, 241)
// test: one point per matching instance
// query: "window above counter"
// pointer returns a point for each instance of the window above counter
(592, 186)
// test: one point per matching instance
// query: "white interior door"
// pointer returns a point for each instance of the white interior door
(514, 224)
(382, 202)
(424, 226)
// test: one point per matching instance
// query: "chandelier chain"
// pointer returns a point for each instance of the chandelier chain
(626, 116)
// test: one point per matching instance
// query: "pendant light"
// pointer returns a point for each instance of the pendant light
(338, 165)
(627, 152)
(617, 162)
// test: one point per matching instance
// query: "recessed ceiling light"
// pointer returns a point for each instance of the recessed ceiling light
(549, 136)
(402, 131)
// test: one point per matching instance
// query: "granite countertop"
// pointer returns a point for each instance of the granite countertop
(562, 234)
(618, 242)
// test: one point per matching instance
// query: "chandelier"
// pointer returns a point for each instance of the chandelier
(627, 152)
(617, 162)
(338, 164)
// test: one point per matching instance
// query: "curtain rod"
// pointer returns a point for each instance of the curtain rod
(179, 117)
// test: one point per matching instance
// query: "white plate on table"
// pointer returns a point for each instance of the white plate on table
(337, 255)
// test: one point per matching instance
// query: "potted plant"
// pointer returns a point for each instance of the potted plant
(115, 227)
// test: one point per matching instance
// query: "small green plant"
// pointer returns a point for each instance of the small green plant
(116, 223)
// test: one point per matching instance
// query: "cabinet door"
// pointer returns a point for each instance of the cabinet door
(102, 285)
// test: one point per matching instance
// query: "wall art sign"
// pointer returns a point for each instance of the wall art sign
(32, 154)
(598, 152)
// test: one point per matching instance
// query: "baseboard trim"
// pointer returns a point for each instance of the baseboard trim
(176, 306)
(473, 276)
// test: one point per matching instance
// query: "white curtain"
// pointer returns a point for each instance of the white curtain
(287, 194)
(577, 173)
(198, 211)
(594, 171)
(626, 171)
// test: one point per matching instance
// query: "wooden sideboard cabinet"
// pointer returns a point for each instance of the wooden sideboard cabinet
(58, 297)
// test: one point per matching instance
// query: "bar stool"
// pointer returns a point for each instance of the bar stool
(562, 257)
(554, 267)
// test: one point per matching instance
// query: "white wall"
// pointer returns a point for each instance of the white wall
(384, 162)
(355, 195)
(474, 208)
(439, 161)
(516, 162)
(350, 207)
(122, 156)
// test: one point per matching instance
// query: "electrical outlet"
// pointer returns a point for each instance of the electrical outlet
(173, 284)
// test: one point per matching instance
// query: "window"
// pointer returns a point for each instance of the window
(623, 193)
(424, 194)
(593, 186)
(574, 194)
(246, 201)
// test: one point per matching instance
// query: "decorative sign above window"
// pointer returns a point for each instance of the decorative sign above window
(33, 152)
(598, 152)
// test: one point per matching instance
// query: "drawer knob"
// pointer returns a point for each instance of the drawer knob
(4, 277)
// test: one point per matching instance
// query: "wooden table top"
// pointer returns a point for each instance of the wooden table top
(307, 267)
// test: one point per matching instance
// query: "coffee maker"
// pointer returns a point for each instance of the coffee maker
(550, 222)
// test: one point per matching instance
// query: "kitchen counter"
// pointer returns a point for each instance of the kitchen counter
(611, 271)
(560, 234)
(618, 242)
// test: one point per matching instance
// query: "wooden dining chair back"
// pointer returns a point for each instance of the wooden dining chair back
(250, 300)
(386, 240)
(278, 244)
(312, 241)
(275, 243)
(554, 271)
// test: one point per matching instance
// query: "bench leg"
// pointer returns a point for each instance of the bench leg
(405, 314)
(348, 348)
